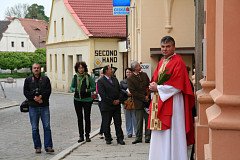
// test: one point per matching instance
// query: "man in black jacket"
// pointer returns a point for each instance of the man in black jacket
(109, 90)
(37, 90)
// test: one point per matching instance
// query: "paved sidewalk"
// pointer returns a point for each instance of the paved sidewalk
(6, 103)
(97, 149)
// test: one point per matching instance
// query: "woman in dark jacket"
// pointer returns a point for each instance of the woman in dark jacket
(129, 114)
(82, 86)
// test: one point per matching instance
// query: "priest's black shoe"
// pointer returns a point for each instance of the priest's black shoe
(136, 141)
(147, 140)
(81, 139)
(121, 142)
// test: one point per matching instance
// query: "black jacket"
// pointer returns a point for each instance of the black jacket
(108, 93)
(124, 87)
(37, 86)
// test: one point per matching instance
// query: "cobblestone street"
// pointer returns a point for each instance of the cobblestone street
(15, 136)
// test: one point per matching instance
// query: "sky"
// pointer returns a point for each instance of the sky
(10, 3)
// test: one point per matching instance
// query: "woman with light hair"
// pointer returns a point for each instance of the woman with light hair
(130, 118)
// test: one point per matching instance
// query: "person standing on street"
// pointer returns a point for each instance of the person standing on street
(138, 86)
(99, 105)
(130, 118)
(37, 89)
(82, 86)
(170, 116)
(109, 90)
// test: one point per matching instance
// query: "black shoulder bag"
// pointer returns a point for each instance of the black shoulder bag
(24, 107)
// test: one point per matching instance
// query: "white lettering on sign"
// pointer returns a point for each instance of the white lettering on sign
(121, 10)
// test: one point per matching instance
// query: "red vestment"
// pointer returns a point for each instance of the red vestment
(179, 79)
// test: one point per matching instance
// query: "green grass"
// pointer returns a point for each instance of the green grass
(14, 75)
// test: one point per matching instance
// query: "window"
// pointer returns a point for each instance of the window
(37, 29)
(62, 26)
(12, 44)
(55, 61)
(55, 29)
(22, 44)
(63, 63)
(79, 57)
(51, 62)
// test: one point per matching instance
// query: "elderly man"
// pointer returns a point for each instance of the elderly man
(138, 84)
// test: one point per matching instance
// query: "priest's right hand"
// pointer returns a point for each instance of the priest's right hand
(153, 86)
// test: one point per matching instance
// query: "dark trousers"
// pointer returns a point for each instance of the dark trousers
(101, 127)
(85, 107)
(107, 118)
(140, 116)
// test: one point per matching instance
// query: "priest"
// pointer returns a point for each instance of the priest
(170, 116)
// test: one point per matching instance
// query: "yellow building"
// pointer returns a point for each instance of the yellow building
(151, 20)
(83, 31)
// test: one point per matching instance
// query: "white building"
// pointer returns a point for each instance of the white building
(22, 35)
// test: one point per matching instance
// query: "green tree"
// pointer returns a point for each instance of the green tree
(40, 56)
(13, 60)
(36, 12)
(18, 60)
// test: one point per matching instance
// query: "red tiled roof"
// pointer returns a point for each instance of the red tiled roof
(96, 18)
(37, 31)
(3, 27)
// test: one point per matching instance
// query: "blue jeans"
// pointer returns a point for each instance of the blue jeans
(130, 121)
(35, 113)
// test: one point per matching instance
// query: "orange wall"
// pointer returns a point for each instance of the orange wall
(228, 49)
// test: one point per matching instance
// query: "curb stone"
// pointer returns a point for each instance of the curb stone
(70, 149)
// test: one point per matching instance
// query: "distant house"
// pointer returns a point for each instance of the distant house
(84, 30)
(22, 35)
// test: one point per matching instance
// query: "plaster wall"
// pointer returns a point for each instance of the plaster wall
(115, 60)
(17, 35)
(57, 57)
(149, 23)
(223, 116)
(88, 51)
(71, 28)
(209, 31)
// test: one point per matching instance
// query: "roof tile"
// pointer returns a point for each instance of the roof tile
(97, 16)
(37, 31)
(3, 27)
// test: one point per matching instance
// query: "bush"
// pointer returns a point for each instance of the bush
(14, 75)
(18, 60)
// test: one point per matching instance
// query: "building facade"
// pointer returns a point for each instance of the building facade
(22, 35)
(149, 21)
(218, 122)
(83, 31)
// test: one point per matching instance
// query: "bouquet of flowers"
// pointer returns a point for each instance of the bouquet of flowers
(163, 77)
